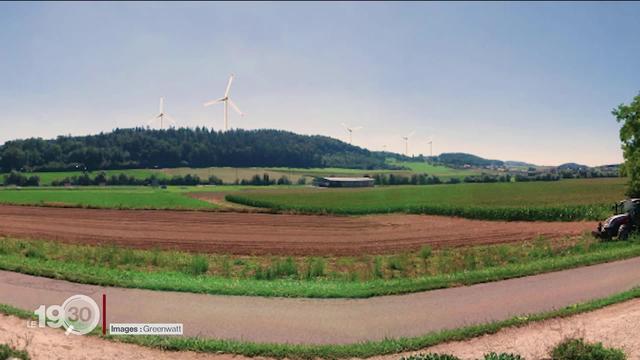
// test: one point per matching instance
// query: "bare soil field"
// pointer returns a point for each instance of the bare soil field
(257, 234)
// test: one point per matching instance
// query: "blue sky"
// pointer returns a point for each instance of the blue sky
(513, 81)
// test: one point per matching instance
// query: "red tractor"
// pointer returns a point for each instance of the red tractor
(620, 225)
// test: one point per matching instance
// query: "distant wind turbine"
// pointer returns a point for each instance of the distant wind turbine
(227, 101)
(162, 115)
(351, 130)
(430, 142)
(406, 143)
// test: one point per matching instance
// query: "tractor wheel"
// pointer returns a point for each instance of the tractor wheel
(623, 232)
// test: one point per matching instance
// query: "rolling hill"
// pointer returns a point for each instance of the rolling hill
(199, 147)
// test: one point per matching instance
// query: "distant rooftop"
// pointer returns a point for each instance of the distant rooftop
(348, 179)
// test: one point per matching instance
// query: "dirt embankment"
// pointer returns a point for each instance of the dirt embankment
(255, 233)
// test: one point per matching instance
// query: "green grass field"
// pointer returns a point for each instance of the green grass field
(558, 200)
(437, 170)
(122, 197)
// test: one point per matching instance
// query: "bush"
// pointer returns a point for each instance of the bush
(278, 268)
(578, 349)
(258, 180)
(425, 252)
(316, 268)
(283, 180)
(100, 179)
(398, 262)
(415, 179)
(214, 180)
(377, 268)
(7, 352)
(198, 265)
(185, 180)
(19, 179)
(302, 181)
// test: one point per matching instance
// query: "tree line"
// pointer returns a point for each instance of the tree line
(101, 178)
(184, 147)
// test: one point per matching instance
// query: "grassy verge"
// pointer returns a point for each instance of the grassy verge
(566, 200)
(360, 350)
(302, 277)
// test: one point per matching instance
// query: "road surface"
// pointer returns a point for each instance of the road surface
(323, 321)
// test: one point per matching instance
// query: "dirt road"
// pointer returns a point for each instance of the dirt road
(247, 233)
(323, 321)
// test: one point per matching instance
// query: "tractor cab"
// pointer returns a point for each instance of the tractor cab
(629, 206)
(626, 218)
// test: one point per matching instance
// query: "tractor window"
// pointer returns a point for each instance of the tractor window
(628, 206)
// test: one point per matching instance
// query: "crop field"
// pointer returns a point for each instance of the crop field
(108, 197)
(584, 199)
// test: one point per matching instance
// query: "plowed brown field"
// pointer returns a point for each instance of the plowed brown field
(255, 233)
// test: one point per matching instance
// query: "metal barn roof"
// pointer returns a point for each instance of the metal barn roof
(347, 179)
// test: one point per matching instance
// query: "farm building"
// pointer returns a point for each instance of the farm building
(344, 182)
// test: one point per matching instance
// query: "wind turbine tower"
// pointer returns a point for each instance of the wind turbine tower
(406, 143)
(227, 101)
(161, 115)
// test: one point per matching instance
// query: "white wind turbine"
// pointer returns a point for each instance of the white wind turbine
(351, 130)
(430, 142)
(227, 101)
(161, 115)
(406, 143)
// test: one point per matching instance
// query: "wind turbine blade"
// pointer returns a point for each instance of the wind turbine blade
(345, 126)
(233, 105)
(410, 135)
(161, 104)
(212, 102)
(152, 120)
(171, 120)
(226, 92)
(357, 128)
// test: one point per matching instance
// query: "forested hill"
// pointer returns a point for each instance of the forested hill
(200, 147)
(461, 159)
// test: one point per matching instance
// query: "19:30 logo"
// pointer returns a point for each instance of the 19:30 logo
(79, 315)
